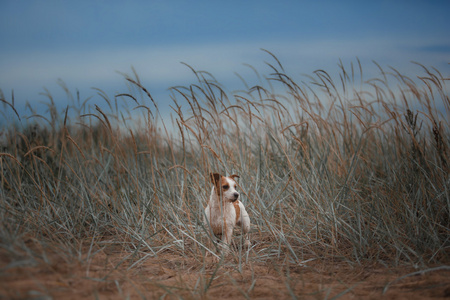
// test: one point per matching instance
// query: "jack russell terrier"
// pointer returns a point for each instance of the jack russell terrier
(225, 211)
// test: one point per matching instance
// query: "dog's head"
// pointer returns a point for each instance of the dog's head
(225, 186)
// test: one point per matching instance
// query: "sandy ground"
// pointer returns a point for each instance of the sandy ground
(113, 274)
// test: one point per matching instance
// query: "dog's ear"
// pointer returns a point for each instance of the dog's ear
(215, 178)
(234, 176)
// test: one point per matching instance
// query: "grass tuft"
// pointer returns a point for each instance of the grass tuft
(345, 170)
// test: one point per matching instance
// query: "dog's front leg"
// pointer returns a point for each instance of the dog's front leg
(226, 239)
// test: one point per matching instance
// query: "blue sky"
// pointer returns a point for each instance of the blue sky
(85, 43)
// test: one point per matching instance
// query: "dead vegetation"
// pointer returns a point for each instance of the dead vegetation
(346, 183)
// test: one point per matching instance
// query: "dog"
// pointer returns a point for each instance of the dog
(225, 211)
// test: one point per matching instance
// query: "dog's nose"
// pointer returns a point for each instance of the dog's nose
(236, 195)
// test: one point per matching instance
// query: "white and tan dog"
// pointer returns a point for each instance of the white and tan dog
(225, 211)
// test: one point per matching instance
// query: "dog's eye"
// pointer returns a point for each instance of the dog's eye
(225, 187)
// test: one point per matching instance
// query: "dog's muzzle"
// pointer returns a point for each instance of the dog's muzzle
(236, 196)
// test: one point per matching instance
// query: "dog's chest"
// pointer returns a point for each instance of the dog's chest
(237, 209)
(229, 217)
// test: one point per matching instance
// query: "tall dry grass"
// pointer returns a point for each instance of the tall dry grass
(353, 168)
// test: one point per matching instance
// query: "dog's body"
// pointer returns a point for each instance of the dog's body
(225, 211)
